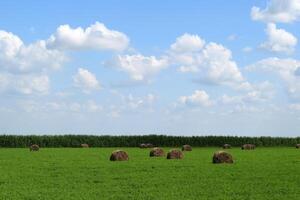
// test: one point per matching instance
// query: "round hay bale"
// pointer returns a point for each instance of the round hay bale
(84, 145)
(34, 147)
(157, 152)
(226, 146)
(248, 147)
(175, 154)
(222, 157)
(119, 155)
(149, 145)
(142, 146)
(186, 147)
(298, 146)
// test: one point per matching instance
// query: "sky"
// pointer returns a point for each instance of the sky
(157, 67)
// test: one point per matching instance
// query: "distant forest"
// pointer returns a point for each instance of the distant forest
(136, 140)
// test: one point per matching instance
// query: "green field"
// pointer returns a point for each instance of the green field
(75, 173)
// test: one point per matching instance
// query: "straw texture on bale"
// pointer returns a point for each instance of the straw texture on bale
(34, 147)
(186, 147)
(175, 154)
(222, 157)
(119, 155)
(147, 145)
(226, 146)
(84, 145)
(157, 152)
(248, 147)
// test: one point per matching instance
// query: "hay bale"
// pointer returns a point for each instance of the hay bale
(248, 147)
(226, 146)
(119, 155)
(34, 147)
(298, 146)
(222, 157)
(149, 145)
(186, 147)
(84, 145)
(157, 152)
(175, 154)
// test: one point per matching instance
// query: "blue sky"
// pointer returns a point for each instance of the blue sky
(156, 67)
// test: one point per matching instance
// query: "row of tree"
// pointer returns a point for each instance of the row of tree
(135, 140)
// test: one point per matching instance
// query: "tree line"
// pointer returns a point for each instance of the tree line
(135, 140)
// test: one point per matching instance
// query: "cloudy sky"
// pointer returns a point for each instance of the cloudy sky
(157, 67)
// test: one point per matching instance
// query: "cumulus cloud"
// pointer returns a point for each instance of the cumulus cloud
(286, 69)
(139, 67)
(24, 84)
(198, 98)
(279, 40)
(284, 11)
(254, 93)
(24, 68)
(188, 42)
(15, 56)
(86, 81)
(134, 103)
(95, 37)
(89, 106)
(212, 62)
(138, 102)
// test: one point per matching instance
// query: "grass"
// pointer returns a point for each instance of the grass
(66, 173)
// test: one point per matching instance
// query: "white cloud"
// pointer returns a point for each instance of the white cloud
(92, 106)
(247, 109)
(284, 11)
(198, 98)
(232, 100)
(89, 106)
(15, 56)
(279, 40)
(24, 84)
(212, 62)
(286, 69)
(86, 80)
(247, 49)
(219, 64)
(95, 37)
(254, 93)
(274, 64)
(138, 102)
(188, 42)
(139, 67)
(295, 106)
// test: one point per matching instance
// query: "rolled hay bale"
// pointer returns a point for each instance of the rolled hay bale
(226, 146)
(175, 154)
(157, 152)
(84, 145)
(222, 157)
(248, 147)
(142, 146)
(298, 146)
(149, 145)
(118, 155)
(186, 147)
(34, 147)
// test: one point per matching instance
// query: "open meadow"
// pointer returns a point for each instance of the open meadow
(87, 173)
